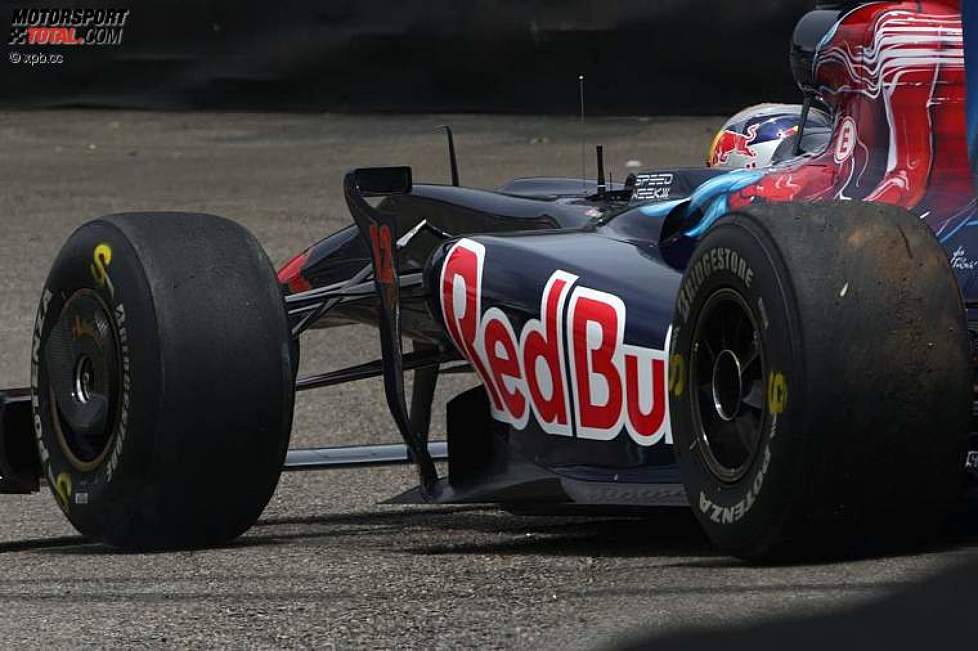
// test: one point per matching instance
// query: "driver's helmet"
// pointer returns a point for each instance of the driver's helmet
(749, 139)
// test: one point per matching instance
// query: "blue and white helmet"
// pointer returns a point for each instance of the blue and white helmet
(749, 139)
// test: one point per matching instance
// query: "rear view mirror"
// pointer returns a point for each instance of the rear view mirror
(809, 32)
(380, 181)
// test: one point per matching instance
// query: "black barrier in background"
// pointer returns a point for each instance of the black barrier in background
(639, 56)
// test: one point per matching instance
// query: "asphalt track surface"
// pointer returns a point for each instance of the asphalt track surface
(328, 564)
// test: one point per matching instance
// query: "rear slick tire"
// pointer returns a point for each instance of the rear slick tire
(821, 384)
(162, 380)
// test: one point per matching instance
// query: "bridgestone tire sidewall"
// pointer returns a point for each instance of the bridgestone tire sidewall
(742, 517)
(102, 497)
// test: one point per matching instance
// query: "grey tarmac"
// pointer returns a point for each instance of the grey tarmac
(328, 564)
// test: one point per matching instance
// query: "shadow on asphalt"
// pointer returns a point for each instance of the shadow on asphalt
(671, 532)
(36, 544)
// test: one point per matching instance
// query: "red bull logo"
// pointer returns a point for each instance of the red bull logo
(730, 145)
(570, 369)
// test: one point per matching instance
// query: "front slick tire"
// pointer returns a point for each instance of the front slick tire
(821, 387)
(162, 380)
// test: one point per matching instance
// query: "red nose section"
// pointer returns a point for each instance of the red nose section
(291, 276)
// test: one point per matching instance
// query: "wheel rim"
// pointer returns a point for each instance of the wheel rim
(82, 362)
(727, 374)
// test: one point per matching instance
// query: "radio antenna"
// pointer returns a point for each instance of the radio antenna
(602, 187)
(452, 160)
(580, 83)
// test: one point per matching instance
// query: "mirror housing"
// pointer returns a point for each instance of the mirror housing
(809, 32)
(382, 181)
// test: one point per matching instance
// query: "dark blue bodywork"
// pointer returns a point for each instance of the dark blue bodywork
(632, 249)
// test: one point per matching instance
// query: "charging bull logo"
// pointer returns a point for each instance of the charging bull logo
(571, 367)
(733, 149)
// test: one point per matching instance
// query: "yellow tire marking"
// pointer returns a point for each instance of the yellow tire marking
(677, 375)
(777, 393)
(102, 257)
(62, 490)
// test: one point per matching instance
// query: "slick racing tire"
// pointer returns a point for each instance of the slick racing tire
(162, 380)
(820, 386)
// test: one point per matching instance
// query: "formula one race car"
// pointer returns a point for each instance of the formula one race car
(782, 344)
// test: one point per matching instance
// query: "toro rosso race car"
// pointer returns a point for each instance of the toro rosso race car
(779, 341)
